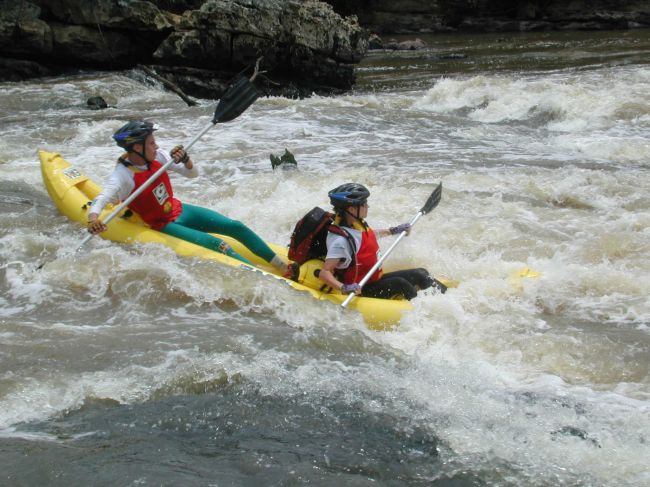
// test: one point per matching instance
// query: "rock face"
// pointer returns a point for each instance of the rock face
(413, 16)
(305, 44)
(198, 45)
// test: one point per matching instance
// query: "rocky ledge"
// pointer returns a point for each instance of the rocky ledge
(197, 44)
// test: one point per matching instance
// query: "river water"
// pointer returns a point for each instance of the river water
(132, 366)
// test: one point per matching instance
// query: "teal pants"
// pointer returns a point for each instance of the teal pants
(195, 225)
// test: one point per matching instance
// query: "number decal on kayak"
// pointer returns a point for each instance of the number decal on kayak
(72, 173)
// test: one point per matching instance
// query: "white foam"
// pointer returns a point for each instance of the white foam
(496, 367)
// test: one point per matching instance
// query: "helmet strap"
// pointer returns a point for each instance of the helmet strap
(123, 159)
(356, 217)
(357, 207)
(141, 154)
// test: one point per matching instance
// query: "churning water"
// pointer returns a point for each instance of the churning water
(133, 366)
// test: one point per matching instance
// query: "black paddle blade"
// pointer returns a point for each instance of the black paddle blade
(433, 200)
(238, 97)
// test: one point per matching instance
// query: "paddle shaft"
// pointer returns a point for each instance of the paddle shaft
(144, 186)
(378, 264)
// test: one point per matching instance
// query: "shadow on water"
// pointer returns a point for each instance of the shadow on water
(237, 436)
(17, 195)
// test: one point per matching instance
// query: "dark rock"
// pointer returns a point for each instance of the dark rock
(21, 70)
(410, 45)
(286, 161)
(96, 103)
(65, 33)
(306, 46)
(179, 6)
(202, 83)
(375, 42)
(130, 15)
(15, 11)
(305, 42)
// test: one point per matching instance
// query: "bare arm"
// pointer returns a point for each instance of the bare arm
(327, 274)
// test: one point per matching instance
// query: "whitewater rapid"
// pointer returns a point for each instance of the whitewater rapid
(540, 381)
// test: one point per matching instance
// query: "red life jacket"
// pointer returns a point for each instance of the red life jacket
(156, 205)
(366, 257)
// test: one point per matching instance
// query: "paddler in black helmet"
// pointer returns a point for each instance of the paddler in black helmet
(157, 205)
(352, 253)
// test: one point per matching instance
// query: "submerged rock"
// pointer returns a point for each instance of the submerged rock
(286, 161)
(96, 103)
(409, 45)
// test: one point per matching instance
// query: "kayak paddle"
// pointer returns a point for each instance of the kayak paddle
(430, 204)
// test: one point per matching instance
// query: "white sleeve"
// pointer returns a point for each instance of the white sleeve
(164, 157)
(118, 187)
(338, 248)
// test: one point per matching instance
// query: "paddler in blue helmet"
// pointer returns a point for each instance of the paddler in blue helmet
(351, 254)
(157, 205)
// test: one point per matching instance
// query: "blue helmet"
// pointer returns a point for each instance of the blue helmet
(348, 194)
(134, 132)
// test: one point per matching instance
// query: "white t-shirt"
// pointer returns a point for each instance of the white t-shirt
(338, 247)
(120, 183)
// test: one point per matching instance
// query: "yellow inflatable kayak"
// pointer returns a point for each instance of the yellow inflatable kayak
(71, 192)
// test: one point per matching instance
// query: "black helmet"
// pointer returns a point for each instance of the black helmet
(133, 133)
(348, 194)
